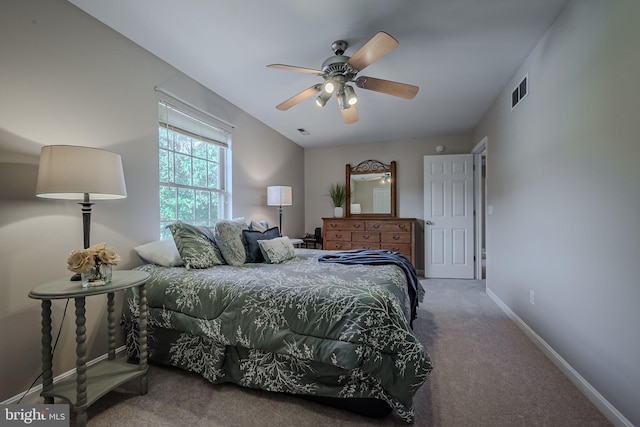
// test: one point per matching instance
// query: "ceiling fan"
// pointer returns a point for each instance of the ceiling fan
(340, 70)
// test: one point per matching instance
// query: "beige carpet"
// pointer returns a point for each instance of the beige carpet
(486, 373)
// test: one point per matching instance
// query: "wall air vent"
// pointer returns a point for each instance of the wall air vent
(520, 91)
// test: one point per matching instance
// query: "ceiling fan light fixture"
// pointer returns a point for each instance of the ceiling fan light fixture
(352, 98)
(342, 100)
(322, 99)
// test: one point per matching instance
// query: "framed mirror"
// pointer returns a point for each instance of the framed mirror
(371, 189)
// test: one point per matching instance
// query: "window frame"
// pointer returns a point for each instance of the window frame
(203, 132)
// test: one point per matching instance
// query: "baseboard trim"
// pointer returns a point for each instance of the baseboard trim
(603, 405)
(38, 388)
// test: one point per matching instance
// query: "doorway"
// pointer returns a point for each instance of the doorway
(480, 196)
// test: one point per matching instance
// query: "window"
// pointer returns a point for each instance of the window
(194, 158)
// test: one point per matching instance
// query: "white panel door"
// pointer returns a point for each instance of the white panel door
(448, 215)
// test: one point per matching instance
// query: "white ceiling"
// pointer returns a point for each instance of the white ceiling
(460, 53)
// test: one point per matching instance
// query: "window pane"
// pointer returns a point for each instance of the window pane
(185, 204)
(182, 143)
(163, 139)
(212, 179)
(183, 169)
(200, 149)
(168, 203)
(199, 173)
(217, 204)
(202, 207)
(164, 165)
(214, 152)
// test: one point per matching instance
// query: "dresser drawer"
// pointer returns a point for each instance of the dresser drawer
(341, 235)
(365, 245)
(344, 224)
(395, 237)
(404, 248)
(334, 245)
(365, 236)
(395, 225)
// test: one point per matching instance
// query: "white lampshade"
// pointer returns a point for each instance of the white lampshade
(70, 172)
(279, 195)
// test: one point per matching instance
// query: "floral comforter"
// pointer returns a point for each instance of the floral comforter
(301, 327)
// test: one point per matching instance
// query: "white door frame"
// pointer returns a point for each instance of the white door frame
(478, 202)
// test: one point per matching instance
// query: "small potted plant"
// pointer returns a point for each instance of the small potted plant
(338, 194)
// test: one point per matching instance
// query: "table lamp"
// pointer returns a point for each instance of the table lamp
(279, 195)
(71, 172)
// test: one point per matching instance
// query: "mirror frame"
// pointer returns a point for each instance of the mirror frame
(371, 166)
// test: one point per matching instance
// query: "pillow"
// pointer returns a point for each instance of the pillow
(259, 225)
(161, 252)
(251, 246)
(196, 248)
(277, 250)
(210, 233)
(228, 235)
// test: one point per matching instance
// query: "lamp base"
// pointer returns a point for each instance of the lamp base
(76, 277)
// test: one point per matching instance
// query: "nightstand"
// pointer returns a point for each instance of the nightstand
(88, 385)
(296, 242)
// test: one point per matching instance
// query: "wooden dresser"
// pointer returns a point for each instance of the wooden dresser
(396, 234)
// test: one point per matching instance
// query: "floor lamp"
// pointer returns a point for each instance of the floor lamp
(279, 195)
(70, 172)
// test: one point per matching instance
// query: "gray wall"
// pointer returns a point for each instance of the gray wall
(324, 165)
(564, 182)
(68, 79)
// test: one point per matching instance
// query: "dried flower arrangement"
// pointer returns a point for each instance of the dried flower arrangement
(81, 261)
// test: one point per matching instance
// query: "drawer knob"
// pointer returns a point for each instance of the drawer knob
(376, 225)
(366, 237)
(338, 236)
(333, 225)
(356, 225)
(396, 237)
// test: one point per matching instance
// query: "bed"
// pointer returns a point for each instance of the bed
(300, 326)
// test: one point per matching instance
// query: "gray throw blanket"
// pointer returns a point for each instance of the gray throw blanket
(379, 257)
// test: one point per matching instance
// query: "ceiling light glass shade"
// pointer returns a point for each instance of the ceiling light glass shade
(329, 86)
(69, 172)
(352, 99)
(279, 195)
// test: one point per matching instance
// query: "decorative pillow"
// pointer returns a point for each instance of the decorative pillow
(277, 250)
(161, 252)
(210, 233)
(228, 235)
(196, 249)
(252, 248)
(259, 225)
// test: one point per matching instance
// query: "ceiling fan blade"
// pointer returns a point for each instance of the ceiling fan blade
(379, 45)
(350, 115)
(298, 98)
(294, 68)
(402, 90)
